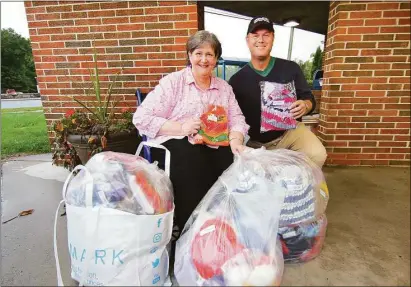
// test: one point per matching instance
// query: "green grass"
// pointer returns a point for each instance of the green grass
(23, 131)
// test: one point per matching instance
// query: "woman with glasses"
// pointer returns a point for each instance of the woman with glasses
(173, 115)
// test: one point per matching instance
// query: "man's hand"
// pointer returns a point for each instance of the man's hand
(298, 109)
(190, 127)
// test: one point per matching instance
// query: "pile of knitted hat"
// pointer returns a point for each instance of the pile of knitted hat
(267, 208)
(231, 237)
(125, 182)
(303, 222)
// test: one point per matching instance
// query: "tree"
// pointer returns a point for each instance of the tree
(17, 65)
(310, 66)
(306, 67)
(317, 61)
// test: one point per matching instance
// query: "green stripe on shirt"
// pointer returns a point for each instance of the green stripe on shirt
(267, 70)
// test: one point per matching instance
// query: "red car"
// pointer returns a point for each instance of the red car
(11, 92)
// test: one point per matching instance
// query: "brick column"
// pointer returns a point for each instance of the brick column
(147, 37)
(365, 104)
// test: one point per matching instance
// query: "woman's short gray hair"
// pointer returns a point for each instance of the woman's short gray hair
(204, 37)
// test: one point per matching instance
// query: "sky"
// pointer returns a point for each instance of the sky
(13, 15)
(305, 43)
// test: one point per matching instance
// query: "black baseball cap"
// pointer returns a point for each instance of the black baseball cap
(260, 22)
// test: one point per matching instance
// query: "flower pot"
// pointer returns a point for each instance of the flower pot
(125, 142)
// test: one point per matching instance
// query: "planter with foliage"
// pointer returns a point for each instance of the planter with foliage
(96, 127)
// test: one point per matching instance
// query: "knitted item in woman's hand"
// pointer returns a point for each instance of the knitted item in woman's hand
(214, 127)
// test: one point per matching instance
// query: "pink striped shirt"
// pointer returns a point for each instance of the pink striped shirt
(178, 98)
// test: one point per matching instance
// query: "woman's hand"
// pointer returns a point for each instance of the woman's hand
(237, 146)
(190, 127)
(236, 142)
(298, 109)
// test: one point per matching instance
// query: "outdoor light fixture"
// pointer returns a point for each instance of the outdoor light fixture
(291, 23)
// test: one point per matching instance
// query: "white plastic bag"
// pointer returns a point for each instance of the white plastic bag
(230, 239)
(118, 239)
(123, 182)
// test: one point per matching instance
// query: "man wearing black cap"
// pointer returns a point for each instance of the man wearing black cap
(273, 96)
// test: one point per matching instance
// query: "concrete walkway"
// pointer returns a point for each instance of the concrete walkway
(27, 242)
(367, 243)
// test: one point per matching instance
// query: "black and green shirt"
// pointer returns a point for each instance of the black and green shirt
(249, 84)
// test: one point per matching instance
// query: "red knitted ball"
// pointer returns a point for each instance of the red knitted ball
(214, 244)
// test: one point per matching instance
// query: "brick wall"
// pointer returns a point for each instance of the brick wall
(147, 37)
(365, 103)
(317, 96)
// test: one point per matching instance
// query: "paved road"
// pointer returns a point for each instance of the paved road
(26, 103)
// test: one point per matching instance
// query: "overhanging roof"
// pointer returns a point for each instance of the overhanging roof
(313, 15)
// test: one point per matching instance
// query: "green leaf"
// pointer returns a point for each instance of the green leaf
(97, 78)
(110, 91)
(87, 108)
(89, 93)
(92, 86)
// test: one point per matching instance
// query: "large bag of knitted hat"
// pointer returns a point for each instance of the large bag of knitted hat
(230, 239)
(306, 194)
(119, 221)
(303, 222)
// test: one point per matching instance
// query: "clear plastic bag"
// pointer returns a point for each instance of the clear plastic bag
(230, 239)
(303, 242)
(214, 127)
(306, 195)
(276, 101)
(125, 182)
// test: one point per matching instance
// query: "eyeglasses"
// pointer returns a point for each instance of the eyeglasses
(256, 37)
(199, 55)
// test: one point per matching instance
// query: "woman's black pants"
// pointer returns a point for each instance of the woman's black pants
(193, 171)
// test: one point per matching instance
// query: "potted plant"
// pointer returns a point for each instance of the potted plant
(97, 126)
